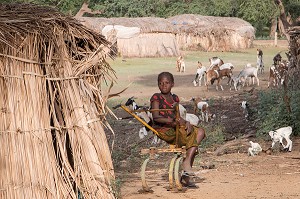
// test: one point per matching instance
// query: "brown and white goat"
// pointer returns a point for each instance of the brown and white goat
(277, 59)
(180, 65)
(278, 74)
(201, 72)
(213, 75)
(202, 106)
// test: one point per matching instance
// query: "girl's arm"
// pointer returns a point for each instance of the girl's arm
(160, 119)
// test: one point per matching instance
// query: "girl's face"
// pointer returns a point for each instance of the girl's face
(165, 85)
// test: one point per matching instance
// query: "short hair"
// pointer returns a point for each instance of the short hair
(168, 75)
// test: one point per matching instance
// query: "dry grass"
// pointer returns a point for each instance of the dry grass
(52, 106)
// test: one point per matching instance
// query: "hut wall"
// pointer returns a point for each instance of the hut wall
(212, 42)
(149, 45)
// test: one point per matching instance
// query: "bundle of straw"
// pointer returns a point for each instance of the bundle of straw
(52, 107)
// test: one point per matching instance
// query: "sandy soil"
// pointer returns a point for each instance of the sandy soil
(235, 175)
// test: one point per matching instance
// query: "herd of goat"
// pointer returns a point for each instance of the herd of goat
(218, 70)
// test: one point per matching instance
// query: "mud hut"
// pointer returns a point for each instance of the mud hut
(158, 37)
(210, 33)
(137, 37)
(52, 118)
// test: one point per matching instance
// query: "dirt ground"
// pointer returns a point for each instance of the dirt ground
(234, 174)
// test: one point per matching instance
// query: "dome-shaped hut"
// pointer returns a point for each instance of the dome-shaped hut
(208, 33)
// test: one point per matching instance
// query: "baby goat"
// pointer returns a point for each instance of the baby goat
(279, 134)
(146, 116)
(204, 109)
(255, 149)
(180, 64)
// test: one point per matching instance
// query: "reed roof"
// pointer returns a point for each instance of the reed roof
(52, 107)
(198, 24)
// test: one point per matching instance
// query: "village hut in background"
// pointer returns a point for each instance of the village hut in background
(52, 117)
(158, 37)
(137, 37)
(208, 33)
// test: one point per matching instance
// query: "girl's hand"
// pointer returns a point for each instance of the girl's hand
(180, 121)
(188, 127)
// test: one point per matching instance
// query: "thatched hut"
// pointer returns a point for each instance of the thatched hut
(158, 37)
(210, 33)
(137, 37)
(52, 139)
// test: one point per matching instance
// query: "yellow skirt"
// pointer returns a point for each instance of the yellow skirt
(169, 135)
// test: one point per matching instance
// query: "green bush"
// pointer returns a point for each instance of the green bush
(214, 135)
(273, 112)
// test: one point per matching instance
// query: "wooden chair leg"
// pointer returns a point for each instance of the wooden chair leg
(143, 175)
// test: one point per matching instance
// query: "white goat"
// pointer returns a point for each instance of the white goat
(227, 65)
(248, 72)
(201, 71)
(255, 149)
(192, 118)
(235, 81)
(215, 61)
(279, 134)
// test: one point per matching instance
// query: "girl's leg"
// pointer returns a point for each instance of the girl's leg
(200, 137)
(190, 155)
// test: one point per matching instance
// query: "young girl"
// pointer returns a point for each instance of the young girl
(165, 122)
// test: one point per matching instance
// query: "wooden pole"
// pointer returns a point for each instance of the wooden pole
(275, 41)
(177, 124)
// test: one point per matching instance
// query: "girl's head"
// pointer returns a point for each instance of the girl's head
(165, 82)
(167, 75)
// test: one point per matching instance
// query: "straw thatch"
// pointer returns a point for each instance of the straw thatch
(52, 139)
(158, 37)
(210, 33)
